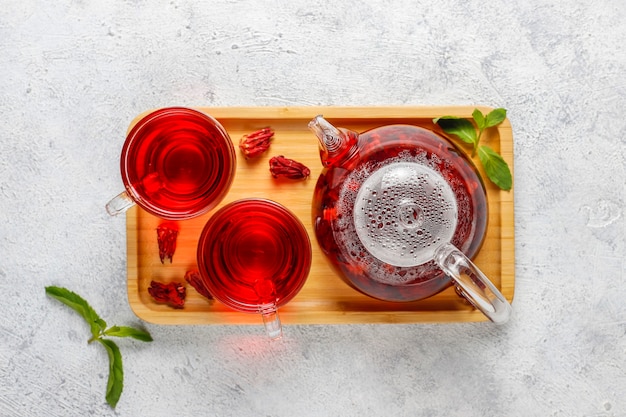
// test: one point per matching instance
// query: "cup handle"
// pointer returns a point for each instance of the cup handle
(271, 320)
(473, 284)
(119, 204)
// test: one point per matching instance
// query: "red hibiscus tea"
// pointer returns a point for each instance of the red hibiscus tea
(177, 163)
(254, 253)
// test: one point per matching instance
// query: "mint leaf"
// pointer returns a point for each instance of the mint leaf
(462, 128)
(115, 384)
(479, 118)
(495, 117)
(78, 304)
(126, 331)
(496, 167)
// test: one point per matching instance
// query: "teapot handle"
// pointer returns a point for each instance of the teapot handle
(473, 284)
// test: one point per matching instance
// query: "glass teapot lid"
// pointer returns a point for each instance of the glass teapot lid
(403, 212)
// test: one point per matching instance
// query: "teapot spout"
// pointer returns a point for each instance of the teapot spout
(336, 144)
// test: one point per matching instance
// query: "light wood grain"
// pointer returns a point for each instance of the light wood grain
(325, 298)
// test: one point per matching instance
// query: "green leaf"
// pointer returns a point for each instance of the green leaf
(78, 304)
(495, 117)
(496, 167)
(462, 128)
(126, 331)
(115, 384)
(479, 118)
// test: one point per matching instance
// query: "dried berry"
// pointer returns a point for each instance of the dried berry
(172, 294)
(256, 143)
(288, 168)
(195, 280)
(166, 237)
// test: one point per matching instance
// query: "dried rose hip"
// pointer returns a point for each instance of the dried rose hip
(254, 144)
(166, 237)
(195, 280)
(288, 168)
(172, 294)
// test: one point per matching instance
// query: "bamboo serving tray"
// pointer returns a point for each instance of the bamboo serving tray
(325, 298)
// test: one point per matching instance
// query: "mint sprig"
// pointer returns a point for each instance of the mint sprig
(471, 132)
(99, 330)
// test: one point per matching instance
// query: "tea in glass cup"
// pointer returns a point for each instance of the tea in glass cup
(254, 256)
(176, 163)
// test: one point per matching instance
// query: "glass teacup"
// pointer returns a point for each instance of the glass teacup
(254, 256)
(176, 163)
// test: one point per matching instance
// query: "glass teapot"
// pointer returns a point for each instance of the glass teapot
(399, 211)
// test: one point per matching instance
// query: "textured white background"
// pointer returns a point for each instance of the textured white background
(73, 73)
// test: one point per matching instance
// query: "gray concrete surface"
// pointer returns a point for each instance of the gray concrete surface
(73, 73)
